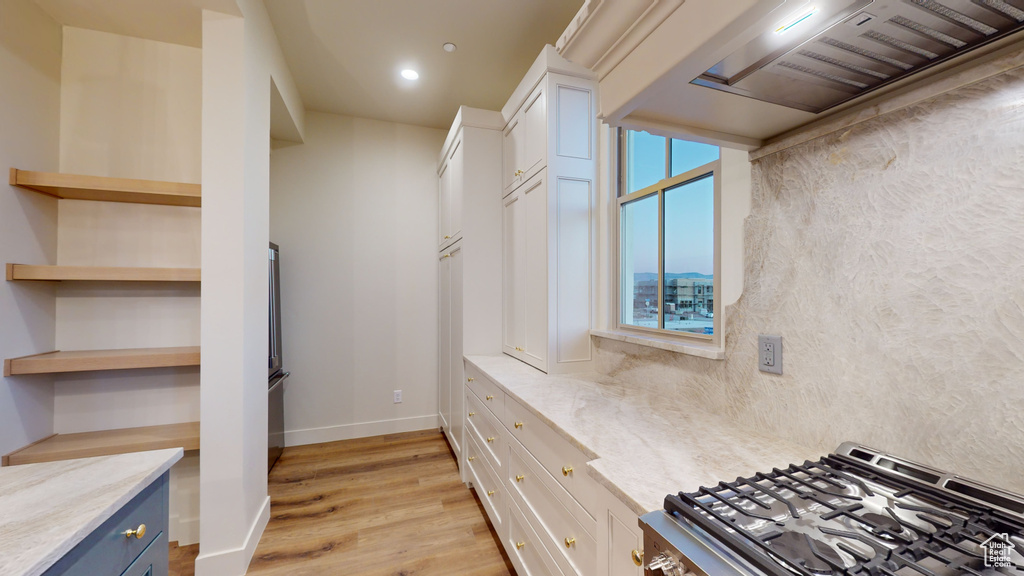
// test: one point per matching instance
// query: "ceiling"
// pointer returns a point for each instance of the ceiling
(346, 55)
(174, 21)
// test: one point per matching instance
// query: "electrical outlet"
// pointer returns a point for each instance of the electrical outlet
(769, 354)
(398, 396)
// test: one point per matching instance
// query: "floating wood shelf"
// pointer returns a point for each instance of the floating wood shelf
(77, 187)
(101, 273)
(87, 360)
(107, 442)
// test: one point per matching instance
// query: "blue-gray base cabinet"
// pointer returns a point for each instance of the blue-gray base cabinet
(107, 551)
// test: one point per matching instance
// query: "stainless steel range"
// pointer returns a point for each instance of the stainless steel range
(858, 512)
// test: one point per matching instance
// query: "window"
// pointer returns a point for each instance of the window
(668, 222)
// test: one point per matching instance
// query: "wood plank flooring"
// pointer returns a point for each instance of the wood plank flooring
(383, 506)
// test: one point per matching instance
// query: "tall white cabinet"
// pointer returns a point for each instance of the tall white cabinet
(549, 172)
(469, 261)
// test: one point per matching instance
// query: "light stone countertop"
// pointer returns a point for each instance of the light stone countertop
(47, 509)
(644, 446)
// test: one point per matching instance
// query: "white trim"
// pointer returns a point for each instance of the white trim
(235, 561)
(702, 350)
(183, 531)
(360, 430)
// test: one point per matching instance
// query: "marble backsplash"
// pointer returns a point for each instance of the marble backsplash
(890, 257)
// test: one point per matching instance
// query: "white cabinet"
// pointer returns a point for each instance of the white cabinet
(469, 264)
(550, 171)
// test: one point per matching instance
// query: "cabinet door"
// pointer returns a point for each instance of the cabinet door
(513, 273)
(444, 335)
(625, 544)
(535, 271)
(444, 208)
(534, 133)
(455, 166)
(457, 387)
(511, 150)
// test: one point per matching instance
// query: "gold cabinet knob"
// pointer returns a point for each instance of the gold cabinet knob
(519, 545)
(469, 379)
(471, 414)
(519, 478)
(446, 256)
(569, 542)
(471, 458)
(490, 438)
(566, 470)
(638, 557)
(138, 532)
(518, 349)
(490, 492)
(489, 397)
(519, 424)
(447, 237)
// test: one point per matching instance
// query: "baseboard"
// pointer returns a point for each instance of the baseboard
(184, 532)
(235, 562)
(359, 430)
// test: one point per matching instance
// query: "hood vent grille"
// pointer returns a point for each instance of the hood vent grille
(850, 47)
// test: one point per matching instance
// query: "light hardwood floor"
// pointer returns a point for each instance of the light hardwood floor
(384, 506)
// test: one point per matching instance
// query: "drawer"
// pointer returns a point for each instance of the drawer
(525, 549)
(107, 551)
(486, 481)
(487, 431)
(154, 561)
(562, 460)
(489, 393)
(542, 498)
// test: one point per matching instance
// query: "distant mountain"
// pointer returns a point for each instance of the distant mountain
(654, 276)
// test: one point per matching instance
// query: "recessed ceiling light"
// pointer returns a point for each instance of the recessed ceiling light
(449, 47)
(410, 74)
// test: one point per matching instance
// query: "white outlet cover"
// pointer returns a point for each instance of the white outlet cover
(773, 343)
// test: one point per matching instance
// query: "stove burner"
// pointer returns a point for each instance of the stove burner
(879, 523)
(814, 555)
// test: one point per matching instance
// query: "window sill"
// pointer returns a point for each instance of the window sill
(702, 350)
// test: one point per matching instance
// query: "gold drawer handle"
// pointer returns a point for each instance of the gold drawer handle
(471, 458)
(518, 349)
(446, 256)
(469, 379)
(138, 532)
(566, 470)
(519, 478)
(519, 424)
(490, 438)
(519, 545)
(471, 414)
(490, 492)
(447, 237)
(569, 542)
(638, 557)
(489, 397)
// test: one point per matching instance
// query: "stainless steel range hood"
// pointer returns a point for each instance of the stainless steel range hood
(831, 51)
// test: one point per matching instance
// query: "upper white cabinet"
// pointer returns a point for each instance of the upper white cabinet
(549, 187)
(469, 264)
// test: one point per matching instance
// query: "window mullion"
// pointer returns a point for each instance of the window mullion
(661, 259)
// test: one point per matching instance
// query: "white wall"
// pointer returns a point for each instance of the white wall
(130, 108)
(30, 54)
(242, 62)
(354, 210)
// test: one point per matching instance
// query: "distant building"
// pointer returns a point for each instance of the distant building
(683, 296)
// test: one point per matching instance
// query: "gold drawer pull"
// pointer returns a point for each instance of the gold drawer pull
(519, 478)
(138, 532)
(518, 349)
(489, 397)
(469, 379)
(490, 492)
(519, 424)
(569, 542)
(471, 414)
(638, 557)
(471, 458)
(519, 545)
(447, 237)
(566, 470)
(490, 438)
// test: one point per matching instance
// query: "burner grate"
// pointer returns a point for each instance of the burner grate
(827, 498)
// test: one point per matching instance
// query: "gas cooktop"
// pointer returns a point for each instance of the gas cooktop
(857, 512)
